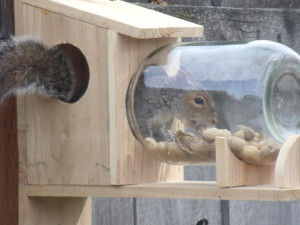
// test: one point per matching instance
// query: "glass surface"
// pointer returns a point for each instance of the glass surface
(182, 92)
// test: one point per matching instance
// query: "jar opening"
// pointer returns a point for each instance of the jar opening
(283, 101)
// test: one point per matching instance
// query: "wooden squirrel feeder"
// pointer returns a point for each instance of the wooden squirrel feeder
(69, 153)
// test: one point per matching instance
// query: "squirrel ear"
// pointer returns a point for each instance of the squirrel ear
(79, 67)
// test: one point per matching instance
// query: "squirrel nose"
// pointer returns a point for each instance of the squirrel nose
(214, 120)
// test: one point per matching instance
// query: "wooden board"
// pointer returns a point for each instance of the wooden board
(233, 172)
(8, 163)
(264, 213)
(287, 171)
(69, 143)
(34, 211)
(182, 190)
(130, 163)
(22, 146)
(177, 211)
(64, 211)
(122, 17)
(113, 211)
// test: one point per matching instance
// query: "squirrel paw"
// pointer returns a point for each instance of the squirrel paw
(170, 136)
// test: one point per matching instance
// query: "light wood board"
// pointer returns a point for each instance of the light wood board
(69, 143)
(122, 17)
(287, 171)
(18, 17)
(130, 163)
(233, 172)
(184, 190)
(64, 211)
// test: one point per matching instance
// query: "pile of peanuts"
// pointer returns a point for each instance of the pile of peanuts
(246, 144)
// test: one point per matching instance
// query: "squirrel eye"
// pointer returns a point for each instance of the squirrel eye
(199, 101)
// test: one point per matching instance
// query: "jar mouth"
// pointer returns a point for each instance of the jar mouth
(282, 100)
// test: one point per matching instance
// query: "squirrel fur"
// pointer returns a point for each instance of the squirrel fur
(27, 65)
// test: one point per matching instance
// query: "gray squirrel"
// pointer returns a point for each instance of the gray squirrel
(159, 99)
(27, 65)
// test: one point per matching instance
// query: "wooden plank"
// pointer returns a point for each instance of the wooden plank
(177, 211)
(183, 190)
(264, 213)
(69, 144)
(233, 172)
(48, 211)
(22, 143)
(9, 173)
(130, 163)
(122, 17)
(8, 163)
(181, 211)
(18, 17)
(288, 164)
(112, 211)
(65, 211)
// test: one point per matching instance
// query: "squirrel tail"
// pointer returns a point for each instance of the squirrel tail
(28, 65)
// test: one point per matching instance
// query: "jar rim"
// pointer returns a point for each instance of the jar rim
(278, 104)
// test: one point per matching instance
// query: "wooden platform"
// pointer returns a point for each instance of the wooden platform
(179, 190)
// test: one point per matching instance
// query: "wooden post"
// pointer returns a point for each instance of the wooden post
(8, 163)
(233, 172)
(287, 171)
(8, 139)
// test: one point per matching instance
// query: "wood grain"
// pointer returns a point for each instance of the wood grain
(113, 211)
(287, 165)
(122, 17)
(8, 163)
(8, 139)
(264, 213)
(64, 211)
(177, 211)
(233, 172)
(130, 163)
(22, 144)
(180, 190)
(69, 143)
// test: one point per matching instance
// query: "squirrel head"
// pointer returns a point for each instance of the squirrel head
(199, 108)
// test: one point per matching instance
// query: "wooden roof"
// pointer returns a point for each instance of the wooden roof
(122, 17)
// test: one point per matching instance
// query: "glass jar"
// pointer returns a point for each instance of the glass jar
(184, 95)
